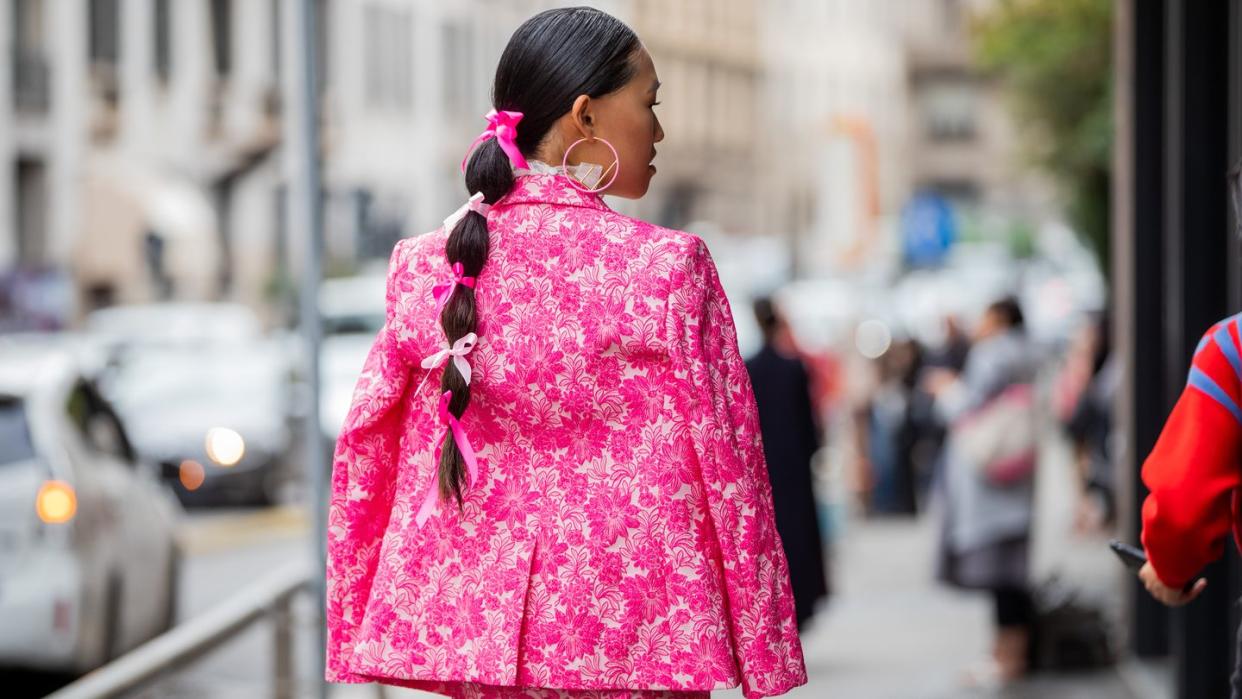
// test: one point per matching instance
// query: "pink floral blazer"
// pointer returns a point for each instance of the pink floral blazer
(620, 532)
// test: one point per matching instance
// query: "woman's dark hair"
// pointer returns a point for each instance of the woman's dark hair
(1010, 313)
(549, 61)
(766, 317)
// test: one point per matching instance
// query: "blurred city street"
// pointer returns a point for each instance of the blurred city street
(970, 249)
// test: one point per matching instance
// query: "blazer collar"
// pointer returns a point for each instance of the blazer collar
(542, 188)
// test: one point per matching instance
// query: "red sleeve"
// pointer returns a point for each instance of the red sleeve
(1194, 468)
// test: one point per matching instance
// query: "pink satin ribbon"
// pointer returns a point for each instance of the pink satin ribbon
(501, 126)
(475, 203)
(458, 352)
(443, 292)
(431, 503)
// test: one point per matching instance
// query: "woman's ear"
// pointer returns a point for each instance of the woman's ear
(582, 116)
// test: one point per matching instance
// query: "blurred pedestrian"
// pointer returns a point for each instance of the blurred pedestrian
(954, 347)
(892, 434)
(582, 505)
(1194, 473)
(988, 482)
(790, 439)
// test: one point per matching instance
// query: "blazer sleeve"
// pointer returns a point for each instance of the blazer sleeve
(364, 469)
(1194, 469)
(719, 409)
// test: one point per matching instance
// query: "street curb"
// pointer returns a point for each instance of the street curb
(213, 534)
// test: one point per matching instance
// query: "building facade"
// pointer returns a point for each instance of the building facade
(832, 133)
(142, 141)
(707, 55)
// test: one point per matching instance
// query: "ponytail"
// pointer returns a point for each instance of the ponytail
(488, 171)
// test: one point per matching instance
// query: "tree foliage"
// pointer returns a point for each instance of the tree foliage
(1054, 58)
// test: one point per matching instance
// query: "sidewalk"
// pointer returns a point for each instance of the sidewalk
(891, 631)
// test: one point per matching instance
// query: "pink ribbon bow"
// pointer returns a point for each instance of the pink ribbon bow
(443, 292)
(431, 503)
(458, 352)
(503, 127)
(475, 203)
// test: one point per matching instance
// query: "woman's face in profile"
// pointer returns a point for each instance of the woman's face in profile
(627, 119)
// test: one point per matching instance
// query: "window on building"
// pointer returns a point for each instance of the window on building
(104, 48)
(31, 212)
(104, 32)
(222, 36)
(163, 39)
(389, 58)
(961, 193)
(458, 53)
(379, 221)
(274, 43)
(29, 23)
(950, 109)
(30, 65)
(679, 204)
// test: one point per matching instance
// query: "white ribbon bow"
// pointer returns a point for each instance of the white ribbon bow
(474, 203)
(458, 352)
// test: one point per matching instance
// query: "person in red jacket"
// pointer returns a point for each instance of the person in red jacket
(1194, 472)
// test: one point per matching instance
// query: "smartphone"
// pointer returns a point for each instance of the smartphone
(1135, 559)
(1132, 557)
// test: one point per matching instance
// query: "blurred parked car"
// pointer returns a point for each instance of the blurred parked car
(173, 323)
(89, 558)
(214, 418)
(353, 313)
(207, 396)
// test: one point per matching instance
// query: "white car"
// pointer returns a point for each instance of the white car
(353, 313)
(188, 377)
(213, 417)
(174, 323)
(89, 557)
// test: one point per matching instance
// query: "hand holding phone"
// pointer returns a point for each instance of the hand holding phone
(1136, 560)
(1131, 556)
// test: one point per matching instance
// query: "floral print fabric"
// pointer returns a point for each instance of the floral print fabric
(620, 535)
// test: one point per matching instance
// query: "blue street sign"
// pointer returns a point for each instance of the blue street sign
(928, 230)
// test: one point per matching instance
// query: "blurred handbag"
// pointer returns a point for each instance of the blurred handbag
(999, 438)
(1069, 632)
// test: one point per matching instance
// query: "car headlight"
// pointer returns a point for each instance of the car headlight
(225, 446)
(56, 502)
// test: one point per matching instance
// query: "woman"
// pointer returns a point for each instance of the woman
(582, 508)
(988, 499)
